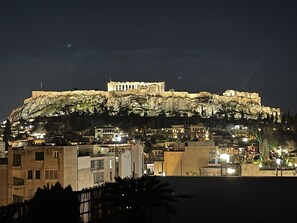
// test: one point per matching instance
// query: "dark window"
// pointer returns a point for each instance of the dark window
(37, 174)
(30, 174)
(97, 164)
(93, 167)
(17, 181)
(51, 174)
(101, 164)
(39, 155)
(17, 159)
(17, 199)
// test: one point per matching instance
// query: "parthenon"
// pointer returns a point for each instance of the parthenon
(124, 86)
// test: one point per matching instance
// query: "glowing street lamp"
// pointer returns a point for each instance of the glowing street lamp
(278, 162)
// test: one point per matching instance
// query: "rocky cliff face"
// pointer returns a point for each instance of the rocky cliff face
(142, 102)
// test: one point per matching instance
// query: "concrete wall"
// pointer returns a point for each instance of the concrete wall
(158, 168)
(3, 185)
(254, 170)
(70, 167)
(125, 160)
(137, 160)
(109, 168)
(84, 176)
(2, 149)
(173, 163)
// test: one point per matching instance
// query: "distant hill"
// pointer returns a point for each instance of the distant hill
(232, 104)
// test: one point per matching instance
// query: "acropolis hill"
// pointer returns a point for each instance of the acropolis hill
(144, 99)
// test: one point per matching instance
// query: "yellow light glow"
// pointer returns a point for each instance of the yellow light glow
(225, 157)
(230, 170)
(245, 139)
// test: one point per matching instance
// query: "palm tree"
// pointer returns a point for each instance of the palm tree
(135, 198)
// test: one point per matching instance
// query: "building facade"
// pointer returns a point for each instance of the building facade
(130, 163)
(108, 133)
(95, 170)
(188, 162)
(32, 167)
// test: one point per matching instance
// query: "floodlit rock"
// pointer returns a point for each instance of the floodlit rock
(231, 103)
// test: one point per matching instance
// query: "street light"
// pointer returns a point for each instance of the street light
(278, 162)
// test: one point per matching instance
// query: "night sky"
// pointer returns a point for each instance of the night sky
(211, 45)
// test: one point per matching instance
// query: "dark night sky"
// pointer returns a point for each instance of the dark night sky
(213, 45)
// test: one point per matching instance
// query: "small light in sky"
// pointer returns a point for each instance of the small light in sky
(69, 45)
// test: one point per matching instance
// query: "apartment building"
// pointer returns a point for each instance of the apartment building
(32, 167)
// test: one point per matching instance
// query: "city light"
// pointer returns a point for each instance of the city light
(245, 139)
(230, 170)
(225, 157)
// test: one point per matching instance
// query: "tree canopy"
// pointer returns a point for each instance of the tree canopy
(54, 204)
(136, 198)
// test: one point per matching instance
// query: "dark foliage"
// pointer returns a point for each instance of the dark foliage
(7, 133)
(54, 204)
(136, 198)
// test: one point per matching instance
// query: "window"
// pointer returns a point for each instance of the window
(39, 155)
(17, 160)
(97, 164)
(17, 181)
(30, 175)
(101, 164)
(17, 199)
(37, 174)
(56, 154)
(93, 164)
(98, 177)
(29, 193)
(51, 174)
